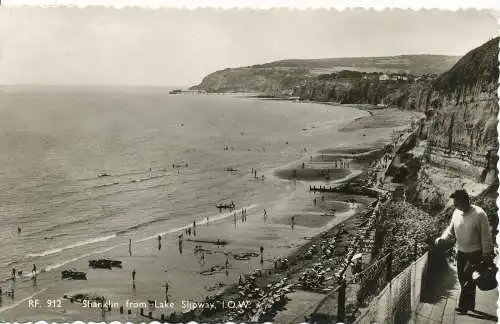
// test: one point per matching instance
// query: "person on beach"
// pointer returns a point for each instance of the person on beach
(180, 244)
(130, 247)
(159, 242)
(470, 229)
(166, 291)
(202, 258)
(265, 215)
(133, 275)
(12, 287)
(14, 273)
(293, 222)
(33, 271)
(207, 220)
(314, 201)
(227, 262)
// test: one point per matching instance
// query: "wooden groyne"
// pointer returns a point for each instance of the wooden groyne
(216, 242)
(349, 189)
(323, 189)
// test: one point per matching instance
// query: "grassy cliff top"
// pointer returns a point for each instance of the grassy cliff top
(415, 64)
(478, 65)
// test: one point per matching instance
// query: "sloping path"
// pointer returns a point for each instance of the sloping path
(439, 307)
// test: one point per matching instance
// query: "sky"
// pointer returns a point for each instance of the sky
(175, 47)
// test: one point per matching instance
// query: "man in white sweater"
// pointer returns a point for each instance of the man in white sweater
(470, 229)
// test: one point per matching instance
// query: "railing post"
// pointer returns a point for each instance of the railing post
(388, 279)
(341, 302)
(415, 250)
(388, 275)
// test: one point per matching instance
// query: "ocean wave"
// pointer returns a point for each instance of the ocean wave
(65, 262)
(80, 180)
(108, 237)
(106, 185)
(89, 219)
(60, 264)
(71, 246)
(54, 227)
(212, 218)
(135, 227)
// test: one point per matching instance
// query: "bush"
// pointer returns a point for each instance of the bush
(404, 225)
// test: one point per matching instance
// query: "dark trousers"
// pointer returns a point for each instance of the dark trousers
(466, 264)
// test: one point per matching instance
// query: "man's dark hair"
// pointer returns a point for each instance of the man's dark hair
(460, 194)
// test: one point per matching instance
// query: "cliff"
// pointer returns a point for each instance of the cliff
(250, 79)
(464, 104)
(458, 142)
(347, 80)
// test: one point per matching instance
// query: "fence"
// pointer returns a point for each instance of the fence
(399, 299)
(392, 300)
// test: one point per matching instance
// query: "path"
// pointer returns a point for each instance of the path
(439, 306)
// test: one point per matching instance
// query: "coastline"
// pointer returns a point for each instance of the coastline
(286, 246)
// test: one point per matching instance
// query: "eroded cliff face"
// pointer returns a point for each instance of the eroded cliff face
(463, 111)
(402, 94)
(466, 120)
(459, 141)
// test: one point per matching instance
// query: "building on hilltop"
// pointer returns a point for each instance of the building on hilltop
(383, 77)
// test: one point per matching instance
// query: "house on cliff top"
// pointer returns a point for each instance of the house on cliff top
(383, 77)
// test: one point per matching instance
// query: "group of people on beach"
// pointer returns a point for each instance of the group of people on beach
(13, 277)
(254, 172)
(191, 230)
(243, 216)
(343, 163)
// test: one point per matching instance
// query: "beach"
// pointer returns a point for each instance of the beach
(167, 199)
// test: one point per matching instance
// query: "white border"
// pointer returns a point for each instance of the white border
(267, 4)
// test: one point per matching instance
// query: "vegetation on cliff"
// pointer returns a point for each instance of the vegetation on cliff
(345, 80)
(479, 65)
(414, 64)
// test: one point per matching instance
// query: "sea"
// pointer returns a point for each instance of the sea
(86, 169)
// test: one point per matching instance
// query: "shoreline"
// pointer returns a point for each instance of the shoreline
(299, 242)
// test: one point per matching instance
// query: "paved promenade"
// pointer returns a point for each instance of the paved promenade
(439, 307)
